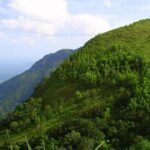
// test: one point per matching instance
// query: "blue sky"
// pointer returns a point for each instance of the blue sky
(30, 29)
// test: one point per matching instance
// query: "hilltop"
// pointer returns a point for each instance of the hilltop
(98, 98)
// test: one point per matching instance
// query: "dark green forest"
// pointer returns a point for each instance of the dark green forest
(97, 99)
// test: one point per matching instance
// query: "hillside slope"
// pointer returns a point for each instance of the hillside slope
(19, 88)
(98, 98)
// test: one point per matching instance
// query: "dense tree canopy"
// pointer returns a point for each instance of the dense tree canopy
(99, 98)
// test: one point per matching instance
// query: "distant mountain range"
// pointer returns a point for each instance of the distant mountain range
(8, 71)
(20, 87)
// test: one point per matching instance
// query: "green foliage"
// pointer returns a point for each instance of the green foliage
(144, 144)
(28, 145)
(14, 125)
(86, 144)
(9, 140)
(72, 138)
(99, 98)
(79, 95)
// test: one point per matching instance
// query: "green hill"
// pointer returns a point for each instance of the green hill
(21, 87)
(98, 98)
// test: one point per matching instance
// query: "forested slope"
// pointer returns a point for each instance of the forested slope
(99, 98)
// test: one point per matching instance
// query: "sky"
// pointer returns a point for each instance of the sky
(30, 29)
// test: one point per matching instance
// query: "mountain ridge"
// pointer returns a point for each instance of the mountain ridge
(97, 98)
(25, 82)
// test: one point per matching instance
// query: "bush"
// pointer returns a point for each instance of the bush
(72, 138)
(14, 126)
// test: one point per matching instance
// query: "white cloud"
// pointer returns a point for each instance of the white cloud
(49, 17)
(24, 39)
(42, 16)
(147, 7)
(36, 26)
(47, 10)
(89, 24)
(108, 3)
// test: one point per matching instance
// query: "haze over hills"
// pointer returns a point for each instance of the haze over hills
(97, 98)
(8, 71)
(20, 87)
